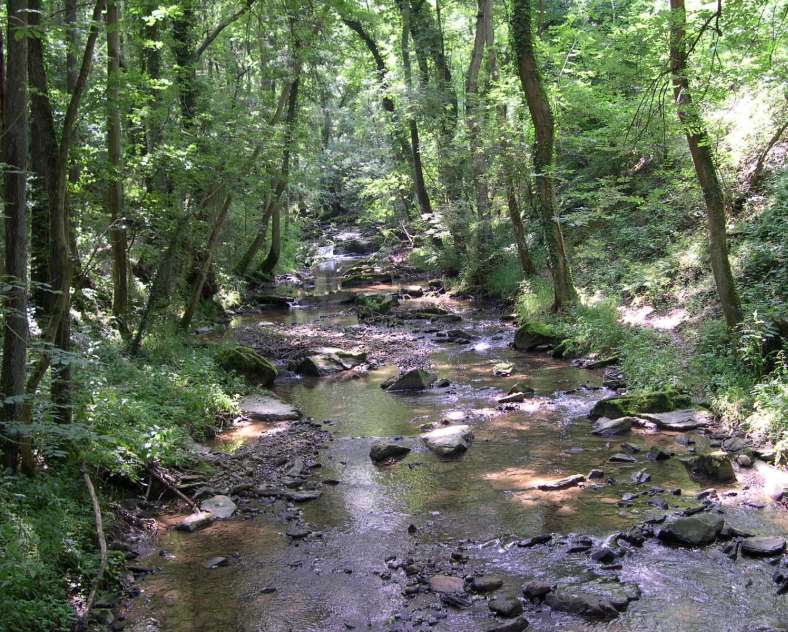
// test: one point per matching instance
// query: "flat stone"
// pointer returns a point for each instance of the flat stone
(503, 369)
(764, 546)
(640, 477)
(620, 457)
(486, 583)
(506, 607)
(298, 532)
(656, 453)
(215, 562)
(609, 427)
(220, 506)
(329, 360)
(595, 474)
(303, 496)
(679, 420)
(562, 483)
(715, 466)
(596, 599)
(195, 521)
(696, 530)
(449, 440)
(518, 625)
(268, 407)
(446, 584)
(383, 451)
(514, 398)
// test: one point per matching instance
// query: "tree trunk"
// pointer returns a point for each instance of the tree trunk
(243, 264)
(120, 262)
(542, 117)
(415, 144)
(700, 149)
(15, 333)
(269, 264)
(476, 145)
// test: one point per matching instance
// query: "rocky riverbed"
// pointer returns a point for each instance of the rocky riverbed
(552, 516)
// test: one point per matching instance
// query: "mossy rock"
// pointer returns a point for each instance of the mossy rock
(632, 405)
(715, 466)
(376, 303)
(248, 362)
(532, 335)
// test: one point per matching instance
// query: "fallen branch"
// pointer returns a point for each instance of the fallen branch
(162, 479)
(101, 541)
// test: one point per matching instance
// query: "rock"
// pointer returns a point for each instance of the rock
(219, 506)
(456, 335)
(620, 457)
(506, 607)
(603, 555)
(384, 451)
(744, 460)
(630, 448)
(634, 405)
(503, 369)
(270, 301)
(442, 383)
(518, 625)
(303, 496)
(562, 483)
(656, 453)
(268, 407)
(734, 444)
(412, 380)
(694, 530)
(595, 474)
(597, 599)
(328, 360)
(533, 335)
(486, 583)
(640, 477)
(679, 420)
(195, 521)
(298, 532)
(715, 466)
(215, 562)
(446, 584)
(608, 427)
(414, 291)
(449, 440)
(522, 388)
(514, 398)
(536, 589)
(368, 304)
(613, 378)
(763, 546)
(248, 362)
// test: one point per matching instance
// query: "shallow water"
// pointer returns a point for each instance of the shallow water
(485, 497)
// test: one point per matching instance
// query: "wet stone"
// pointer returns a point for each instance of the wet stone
(446, 584)
(196, 521)
(298, 532)
(220, 506)
(562, 483)
(620, 457)
(518, 625)
(596, 474)
(303, 495)
(694, 530)
(383, 451)
(215, 562)
(268, 407)
(609, 427)
(449, 440)
(640, 477)
(656, 453)
(763, 546)
(506, 607)
(597, 599)
(679, 420)
(536, 589)
(486, 583)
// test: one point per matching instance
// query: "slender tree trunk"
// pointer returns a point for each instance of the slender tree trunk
(415, 144)
(542, 117)
(703, 159)
(269, 264)
(74, 171)
(245, 261)
(472, 99)
(120, 262)
(15, 332)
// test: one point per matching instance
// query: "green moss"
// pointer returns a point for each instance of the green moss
(535, 334)
(644, 402)
(248, 362)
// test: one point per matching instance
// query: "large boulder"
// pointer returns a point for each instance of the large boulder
(694, 530)
(715, 466)
(328, 360)
(679, 420)
(608, 427)
(449, 440)
(219, 506)
(597, 599)
(532, 335)
(633, 405)
(411, 380)
(248, 362)
(268, 407)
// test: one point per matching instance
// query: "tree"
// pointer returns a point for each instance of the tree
(543, 152)
(15, 103)
(703, 160)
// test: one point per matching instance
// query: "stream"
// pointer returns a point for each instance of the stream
(461, 516)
